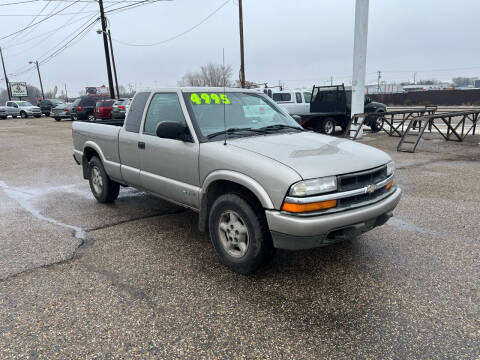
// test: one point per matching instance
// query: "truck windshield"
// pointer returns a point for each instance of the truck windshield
(242, 111)
(23, 103)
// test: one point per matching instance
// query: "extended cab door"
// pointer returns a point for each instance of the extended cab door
(169, 167)
(129, 142)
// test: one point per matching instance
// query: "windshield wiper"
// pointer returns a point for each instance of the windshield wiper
(280, 127)
(231, 131)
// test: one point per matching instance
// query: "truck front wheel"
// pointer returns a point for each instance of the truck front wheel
(239, 234)
(103, 188)
(377, 123)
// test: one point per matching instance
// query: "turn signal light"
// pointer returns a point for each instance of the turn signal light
(389, 185)
(300, 208)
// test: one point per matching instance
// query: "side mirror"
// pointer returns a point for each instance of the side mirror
(368, 100)
(172, 130)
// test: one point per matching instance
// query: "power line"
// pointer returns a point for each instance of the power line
(178, 35)
(134, 5)
(44, 19)
(20, 2)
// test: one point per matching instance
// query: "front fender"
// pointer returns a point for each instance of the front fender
(240, 179)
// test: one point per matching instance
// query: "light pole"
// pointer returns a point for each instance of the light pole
(39, 77)
(109, 34)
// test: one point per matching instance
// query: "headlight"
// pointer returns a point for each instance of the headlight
(314, 187)
(390, 168)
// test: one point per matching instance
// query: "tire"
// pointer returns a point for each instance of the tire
(3, 117)
(23, 114)
(91, 117)
(229, 217)
(377, 124)
(47, 114)
(326, 126)
(103, 188)
(37, 116)
(58, 119)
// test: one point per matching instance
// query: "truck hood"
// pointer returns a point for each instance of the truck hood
(314, 155)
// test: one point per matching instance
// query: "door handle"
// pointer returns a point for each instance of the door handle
(141, 145)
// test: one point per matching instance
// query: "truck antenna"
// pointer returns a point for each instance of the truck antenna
(223, 78)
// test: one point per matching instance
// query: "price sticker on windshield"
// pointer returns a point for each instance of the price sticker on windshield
(209, 99)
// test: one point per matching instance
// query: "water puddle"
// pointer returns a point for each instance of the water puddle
(27, 201)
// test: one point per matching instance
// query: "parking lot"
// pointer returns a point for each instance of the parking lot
(136, 279)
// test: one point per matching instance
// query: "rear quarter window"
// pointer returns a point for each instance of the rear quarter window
(135, 113)
(282, 97)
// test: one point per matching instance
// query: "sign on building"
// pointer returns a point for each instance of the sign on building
(19, 89)
(97, 90)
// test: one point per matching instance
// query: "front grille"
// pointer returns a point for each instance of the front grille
(359, 180)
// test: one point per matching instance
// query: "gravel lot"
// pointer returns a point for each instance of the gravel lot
(82, 280)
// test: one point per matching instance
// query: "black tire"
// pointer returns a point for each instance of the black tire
(37, 116)
(47, 114)
(260, 247)
(108, 190)
(3, 117)
(23, 114)
(91, 117)
(58, 119)
(377, 124)
(326, 126)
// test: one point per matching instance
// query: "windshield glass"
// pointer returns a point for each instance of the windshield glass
(242, 111)
(23, 103)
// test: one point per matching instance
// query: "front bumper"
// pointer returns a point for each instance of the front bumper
(302, 232)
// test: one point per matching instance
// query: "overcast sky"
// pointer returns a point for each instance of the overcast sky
(297, 42)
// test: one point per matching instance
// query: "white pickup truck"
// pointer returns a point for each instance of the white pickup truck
(258, 180)
(22, 108)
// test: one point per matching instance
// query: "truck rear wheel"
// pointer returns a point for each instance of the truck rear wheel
(239, 234)
(326, 126)
(103, 188)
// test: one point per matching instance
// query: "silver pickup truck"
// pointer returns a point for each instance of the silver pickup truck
(257, 179)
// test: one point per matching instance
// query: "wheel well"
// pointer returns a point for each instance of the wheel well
(220, 187)
(88, 153)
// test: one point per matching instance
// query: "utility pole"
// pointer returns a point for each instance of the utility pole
(331, 80)
(113, 63)
(414, 78)
(359, 61)
(6, 77)
(242, 55)
(379, 73)
(39, 77)
(66, 93)
(105, 45)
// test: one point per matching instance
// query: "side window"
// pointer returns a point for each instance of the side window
(308, 96)
(135, 113)
(299, 97)
(9, 103)
(163, 107)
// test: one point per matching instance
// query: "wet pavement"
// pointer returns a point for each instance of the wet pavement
(136, 279)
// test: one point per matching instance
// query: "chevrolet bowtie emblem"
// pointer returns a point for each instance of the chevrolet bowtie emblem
(371, 188)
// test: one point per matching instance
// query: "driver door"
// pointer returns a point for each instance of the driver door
(169, 168)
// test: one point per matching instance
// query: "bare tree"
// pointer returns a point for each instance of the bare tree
(463, 81)
(211, 74)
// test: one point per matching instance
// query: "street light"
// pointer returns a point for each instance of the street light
(39, 77)
(100, 31)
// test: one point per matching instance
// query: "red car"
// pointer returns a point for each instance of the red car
(103, 109)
